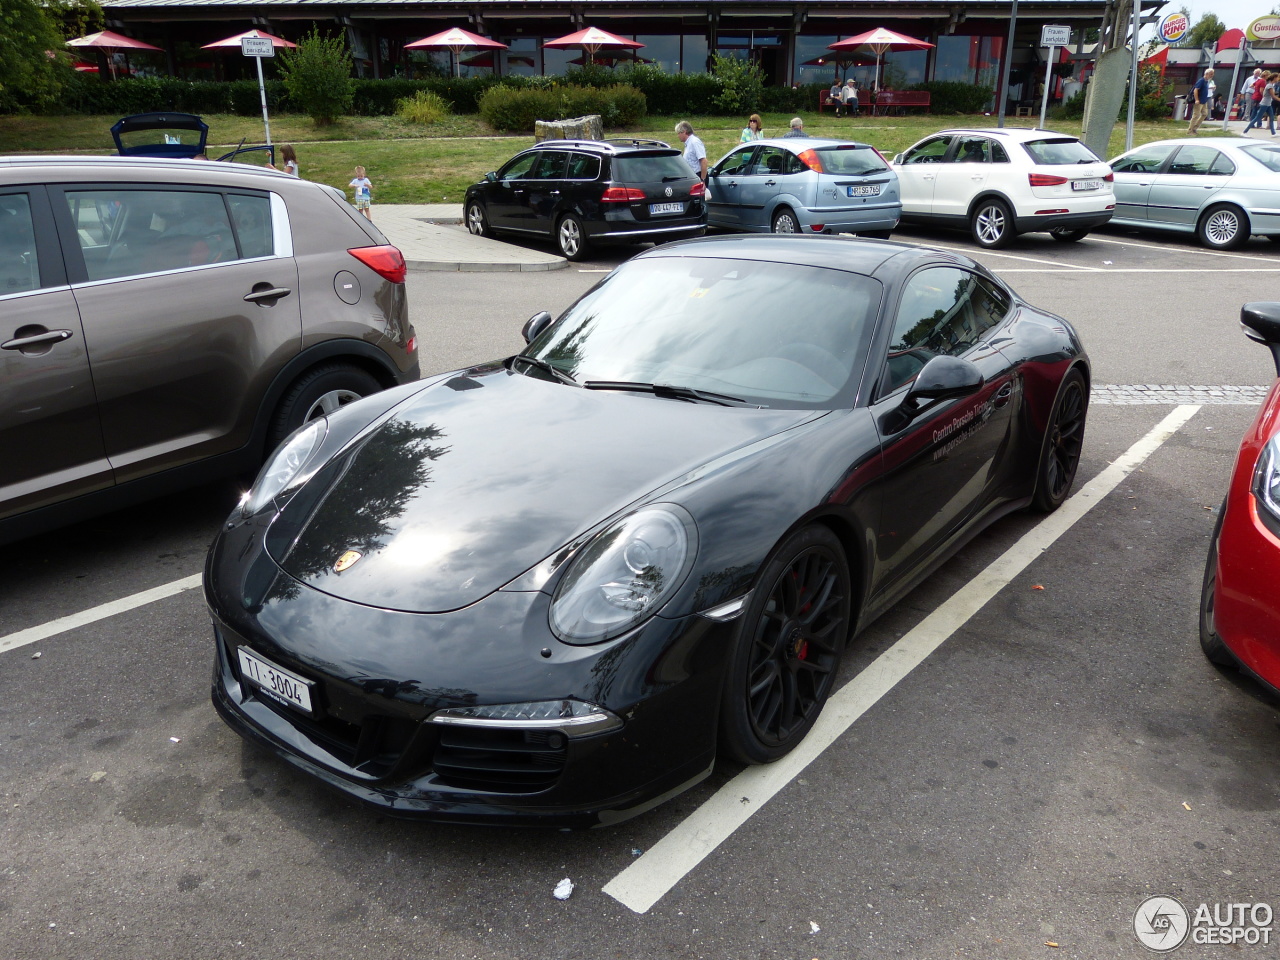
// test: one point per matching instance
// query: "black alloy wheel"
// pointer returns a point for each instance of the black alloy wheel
(784, 221)
(477, 222)
(1210, 642)
(1062, 444)
(790, 640)
(1067, 235)
(1223, 227)
(991, 224)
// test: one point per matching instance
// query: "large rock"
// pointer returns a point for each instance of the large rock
(580, 128)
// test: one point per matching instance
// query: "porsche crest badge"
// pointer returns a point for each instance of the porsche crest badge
(347, 560)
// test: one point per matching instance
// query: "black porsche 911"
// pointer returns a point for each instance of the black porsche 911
(555, 588)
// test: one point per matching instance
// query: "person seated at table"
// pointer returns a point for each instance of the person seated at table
(834, 98)
(850, 97)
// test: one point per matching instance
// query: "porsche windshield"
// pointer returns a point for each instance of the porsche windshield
(775, 334)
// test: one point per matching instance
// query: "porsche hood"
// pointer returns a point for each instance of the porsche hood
(480, 477)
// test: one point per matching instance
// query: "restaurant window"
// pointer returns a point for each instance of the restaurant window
(556, 63)
(694, 56)
(522, 59)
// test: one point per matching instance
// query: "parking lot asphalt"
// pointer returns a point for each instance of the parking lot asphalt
(1062, 753)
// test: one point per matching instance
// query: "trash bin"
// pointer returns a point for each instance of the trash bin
(1180, 107)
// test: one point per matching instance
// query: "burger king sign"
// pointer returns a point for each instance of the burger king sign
(1264, 28)
(1174, 27)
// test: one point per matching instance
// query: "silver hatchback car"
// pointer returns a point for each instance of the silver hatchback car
(804, 185)
(1222, 189)
(167, 322)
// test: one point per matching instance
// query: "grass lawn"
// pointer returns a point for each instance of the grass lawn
(410, 163)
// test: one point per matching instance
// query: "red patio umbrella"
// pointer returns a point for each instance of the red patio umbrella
(591, 40)
(455, 40)
(109, 40)
(841, 59)
(231, 43)
(879, 40)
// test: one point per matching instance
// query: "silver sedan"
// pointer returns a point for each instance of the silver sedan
(1222, 189)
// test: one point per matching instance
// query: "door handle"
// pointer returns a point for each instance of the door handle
(926, 176)
(1002, 395)
(771, 183)
(49, 337)
(553, 193)
(733, 183)
(263, 294)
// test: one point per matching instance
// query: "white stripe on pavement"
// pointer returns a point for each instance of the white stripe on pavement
(94, 614)
(646, 880)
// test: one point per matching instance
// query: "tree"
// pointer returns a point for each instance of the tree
(317, 76)
(1205, 32)
(33, 67)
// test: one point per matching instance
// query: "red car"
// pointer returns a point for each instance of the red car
(1239, 604)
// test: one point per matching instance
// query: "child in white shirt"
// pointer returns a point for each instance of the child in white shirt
(364, 191)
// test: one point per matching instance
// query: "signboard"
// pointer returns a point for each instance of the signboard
(1174, 27)
(1264, 28)
(257, 47)
(1055, 36)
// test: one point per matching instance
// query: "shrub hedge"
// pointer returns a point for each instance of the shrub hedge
(950, 96)
(514, 109)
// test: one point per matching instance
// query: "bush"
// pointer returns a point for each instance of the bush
(317, 75)
(515, 109)
(950, 96)
(673, 94)
(791, 100)
(85, 93)
(741, 84)
(423, 107)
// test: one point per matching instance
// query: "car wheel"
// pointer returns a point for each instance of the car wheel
(789, 645)
(1210, 642)
(1223, 228)
(991, 224)
(784, 221)
(477, 222)
(1061, 454)
(570, 238)
(319, 392)
(1067, 235)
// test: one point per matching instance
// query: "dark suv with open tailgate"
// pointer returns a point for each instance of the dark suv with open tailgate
(588, 192)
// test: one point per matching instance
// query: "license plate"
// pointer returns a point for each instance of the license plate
(867, 190)
(656, 209)
(276, 682)
(1086, 184)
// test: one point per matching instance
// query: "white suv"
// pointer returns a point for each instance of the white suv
(999, 183)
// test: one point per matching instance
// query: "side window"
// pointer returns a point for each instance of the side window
(935, 317)
(518, 168)
(990, 304)
(1222, 167)
(998, 154)
(973, 150)
(583, 166)
(128, 232)
(770, 160)
(931, 151)
(794, 164)
(736, 163)
(1193, 161)
(19, 268)
(551, 165)
(1145, 160)
(252, 218)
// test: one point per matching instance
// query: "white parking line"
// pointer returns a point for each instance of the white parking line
(1198, 251)
(668, 861)
(54, 627)
(1004, 270)
(976, 251)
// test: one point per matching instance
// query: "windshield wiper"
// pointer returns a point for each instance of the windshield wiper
(544, 366)
(669, 392)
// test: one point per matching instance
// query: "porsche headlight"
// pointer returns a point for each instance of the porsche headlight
(624, 575)
(1266, 478)
(284, 466)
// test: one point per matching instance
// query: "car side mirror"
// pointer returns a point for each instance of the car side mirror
(1261, 324)
(491, 176)
(535, 325)
(897, 158)
(943, 378)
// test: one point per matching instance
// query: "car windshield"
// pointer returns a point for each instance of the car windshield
(1060, 150)
(851, 160)
(651, 168)
(774, 334)
(1266, 154)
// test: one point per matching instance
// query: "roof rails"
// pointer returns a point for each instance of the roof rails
(636, 142)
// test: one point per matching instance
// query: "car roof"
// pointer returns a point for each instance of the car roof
(837, 252)
(87, 167)
(1211, 141)
(804, 143)
(1016, 134)
(613, 146)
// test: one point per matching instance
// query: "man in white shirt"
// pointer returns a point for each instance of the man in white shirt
(695, 154)
(1247, 106)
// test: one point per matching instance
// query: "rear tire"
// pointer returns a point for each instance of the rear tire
(991, 224)
(316, 393)
(1223, 227)
(1210, 642)
(571, 239)
(1061, 454)
(1067, 235)
(784, 221)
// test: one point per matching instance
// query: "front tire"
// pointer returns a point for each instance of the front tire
(1060, 456)
(1210, 642)
(788, 648)
(571, 239)
(319, 392)
(784, 221)
(1067, 235)
(991, 224)
(477, 221)
(1223, 228)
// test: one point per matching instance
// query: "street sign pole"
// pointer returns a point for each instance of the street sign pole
(1133, 76)
(1235, 91)
(259, 47)
(1002, 95)
(1053, 37)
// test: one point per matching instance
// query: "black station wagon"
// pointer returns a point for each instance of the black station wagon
(588, 192)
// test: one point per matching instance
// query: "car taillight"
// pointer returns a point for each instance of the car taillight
(811, 160)
(698, 189)
(1110, 178)
(385, 260)
(1046, 179)
(621, 195)
(412, 345)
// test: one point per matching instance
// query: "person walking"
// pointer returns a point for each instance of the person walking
(1248, 106)
(752, 131)
(1266, 106)
(695, 153)
(796, 131)
(1200, 94)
